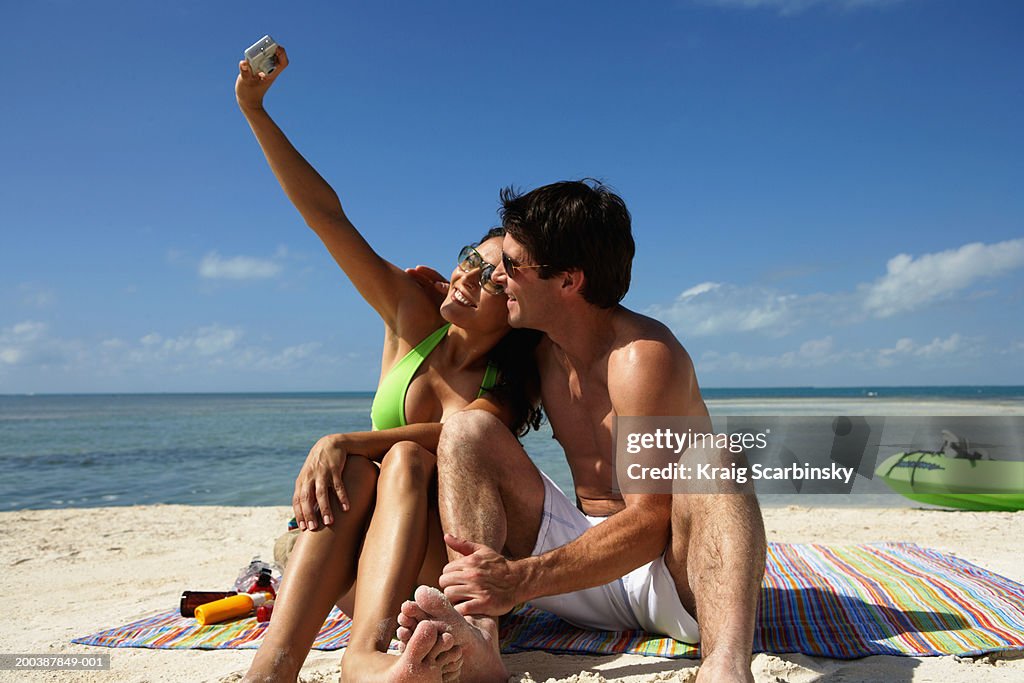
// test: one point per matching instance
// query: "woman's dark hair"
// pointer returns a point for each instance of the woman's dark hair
(518, 385)
(575, 224)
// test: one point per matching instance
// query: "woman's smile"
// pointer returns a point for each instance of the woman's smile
(460, 298)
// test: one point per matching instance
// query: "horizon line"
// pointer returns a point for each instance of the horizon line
(370, 392)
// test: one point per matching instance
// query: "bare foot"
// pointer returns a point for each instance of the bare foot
(430, 656)
(477, 638)
(450, 662)
(721, 667)
(410, 616)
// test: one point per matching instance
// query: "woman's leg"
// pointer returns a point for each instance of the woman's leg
(398, 541)
(320, 570)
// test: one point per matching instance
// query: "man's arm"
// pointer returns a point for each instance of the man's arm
(647, 378)
(486, 583)
(608, 551)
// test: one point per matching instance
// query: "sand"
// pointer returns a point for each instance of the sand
(69, 573)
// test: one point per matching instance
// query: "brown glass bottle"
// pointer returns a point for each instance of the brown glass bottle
(192, 599)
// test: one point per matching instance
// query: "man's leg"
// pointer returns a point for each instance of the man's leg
(489, 492)
(716, 556)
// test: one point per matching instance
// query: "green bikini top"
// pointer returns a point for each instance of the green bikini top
(388, 408)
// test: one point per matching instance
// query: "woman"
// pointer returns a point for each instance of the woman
(380, 522)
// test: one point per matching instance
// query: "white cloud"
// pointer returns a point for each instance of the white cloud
(27, 344)
(216, 356)
(812, 353)
(16, 341)
(903, 346)
(29, 330)
(717, 308)
(217, 347)
(697, 290)
(792, 7)
(211, 340)
(911, 283)
(288, 357)
(214, 267)
(712, 308)
(906, 348)
(818, 353)
(817, 349)
(940, 347)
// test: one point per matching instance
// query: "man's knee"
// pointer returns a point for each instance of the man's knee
(468, 431)
(718, 471)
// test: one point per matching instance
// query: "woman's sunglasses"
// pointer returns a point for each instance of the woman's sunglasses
(470, 259)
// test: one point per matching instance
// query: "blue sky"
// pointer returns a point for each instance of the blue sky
(824, 192)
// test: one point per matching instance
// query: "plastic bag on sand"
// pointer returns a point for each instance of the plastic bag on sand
(248, 575)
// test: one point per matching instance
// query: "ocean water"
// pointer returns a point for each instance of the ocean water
(60, 451)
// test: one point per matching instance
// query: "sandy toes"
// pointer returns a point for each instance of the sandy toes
(430, 656)
(481, 662)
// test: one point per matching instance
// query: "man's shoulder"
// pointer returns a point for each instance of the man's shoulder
(648, 361)
(649, 372)
(643, 341)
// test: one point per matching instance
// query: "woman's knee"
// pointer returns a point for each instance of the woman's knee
(408, 463)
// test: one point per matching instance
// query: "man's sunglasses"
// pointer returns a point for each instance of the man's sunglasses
(511, 266)
(470, 259)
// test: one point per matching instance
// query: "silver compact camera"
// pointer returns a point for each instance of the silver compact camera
(262, 56)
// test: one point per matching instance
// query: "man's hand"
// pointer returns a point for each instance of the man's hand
(319, 476)
(250, 88)
(432, 282)
(482, 582)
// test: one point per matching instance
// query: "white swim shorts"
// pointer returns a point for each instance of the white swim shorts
(645, 598)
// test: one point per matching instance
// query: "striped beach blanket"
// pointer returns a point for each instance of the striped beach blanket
(832, 601)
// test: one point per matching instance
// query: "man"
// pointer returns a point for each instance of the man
(617, 562)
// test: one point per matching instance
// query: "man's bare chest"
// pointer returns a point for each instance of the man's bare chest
(580, 412)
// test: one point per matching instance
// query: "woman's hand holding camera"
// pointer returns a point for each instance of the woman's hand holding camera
(250, 88)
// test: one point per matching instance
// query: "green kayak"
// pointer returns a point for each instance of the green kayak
(959, 482)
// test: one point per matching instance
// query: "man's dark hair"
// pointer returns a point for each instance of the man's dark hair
(575, 224)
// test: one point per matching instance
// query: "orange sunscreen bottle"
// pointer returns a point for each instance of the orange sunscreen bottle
(235, 606)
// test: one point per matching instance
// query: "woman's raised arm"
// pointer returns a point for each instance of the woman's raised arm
(382, 284)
